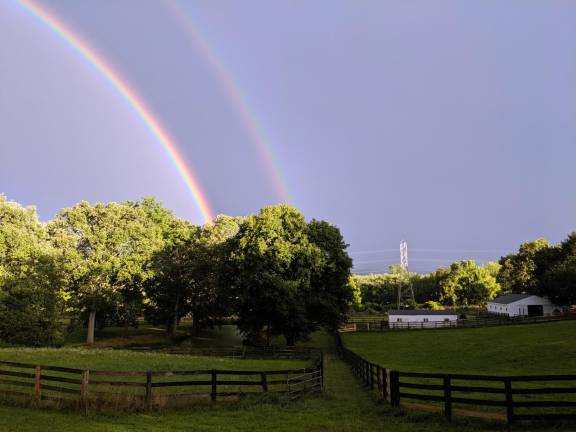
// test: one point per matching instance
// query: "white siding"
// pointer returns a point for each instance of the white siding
(420, 320)
(520, 307)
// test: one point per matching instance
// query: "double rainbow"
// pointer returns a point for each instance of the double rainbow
(136, 103)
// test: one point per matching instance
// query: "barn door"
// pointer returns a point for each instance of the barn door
(535, 310)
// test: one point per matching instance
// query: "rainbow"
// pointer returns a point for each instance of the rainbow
(238, 101)
(130, 96)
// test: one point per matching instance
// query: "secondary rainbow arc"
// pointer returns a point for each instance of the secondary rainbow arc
(236, 98)
(130, 96)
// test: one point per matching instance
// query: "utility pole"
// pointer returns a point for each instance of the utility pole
(404, 269)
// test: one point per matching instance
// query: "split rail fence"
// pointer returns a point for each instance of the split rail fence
(509, 398)
(69, 386)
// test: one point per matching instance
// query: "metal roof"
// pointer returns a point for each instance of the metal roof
(421, 312)
(510, 298)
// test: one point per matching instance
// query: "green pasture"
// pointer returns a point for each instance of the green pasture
(540, 349)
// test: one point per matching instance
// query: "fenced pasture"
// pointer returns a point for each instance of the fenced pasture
(368, 323)
(516, 393)
(69, 386)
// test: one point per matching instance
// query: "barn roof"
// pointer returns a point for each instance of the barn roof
(510, 298)
(421, 312)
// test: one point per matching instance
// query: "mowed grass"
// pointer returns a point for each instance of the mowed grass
(121, 360)
(150, 335)
(540, 349)
(345, 407)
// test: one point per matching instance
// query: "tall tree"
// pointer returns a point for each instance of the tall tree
(468, 284)
(30, 279)
(280, 271)
(107, 248)
(558, 269)
(519, 272)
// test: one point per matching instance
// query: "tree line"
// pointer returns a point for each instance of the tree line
(538, 268)
(112, 263)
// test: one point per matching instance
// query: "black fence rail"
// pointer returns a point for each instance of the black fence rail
(367, 324)
(69, 386)
(509, 398)
(272, 352)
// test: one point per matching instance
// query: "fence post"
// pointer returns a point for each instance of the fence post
(447, 398)
(148, 387)
(213, 393)
(321, 370)
(85, 378)
(379, 379)
(394, 388)
(509, 401)
(37, 383)
(384, 385)
(264, 382)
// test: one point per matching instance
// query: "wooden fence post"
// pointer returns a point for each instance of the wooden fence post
(395, 388)
(264, 382)
(384, 385)
(148, 387)
(213, 393)
(379, 379)
(84, 390)
(37, 383)
(447, 397)
(509, 401)
(322, 371)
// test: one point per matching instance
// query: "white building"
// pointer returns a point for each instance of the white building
(410, 318)
(522, 305)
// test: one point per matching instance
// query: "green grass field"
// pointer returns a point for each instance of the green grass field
(122, 360)
(548, 348)
(345, 407)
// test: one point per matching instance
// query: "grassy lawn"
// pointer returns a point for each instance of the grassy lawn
(121, 360)
(345, 407)
(149, 335)
(547, 348)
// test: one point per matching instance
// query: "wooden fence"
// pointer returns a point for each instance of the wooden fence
(271, 352)
(69, 386)
(509, 398)
(366, 325)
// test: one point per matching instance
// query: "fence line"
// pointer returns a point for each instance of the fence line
(82, 387)
(272, 352)
(440, 392)
(367, 324)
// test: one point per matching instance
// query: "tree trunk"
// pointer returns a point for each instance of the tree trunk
(290, 340)
(174, 326)
(91, 325)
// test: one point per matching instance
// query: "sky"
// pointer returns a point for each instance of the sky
(450, 124)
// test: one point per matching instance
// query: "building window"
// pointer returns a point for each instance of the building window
(446, 319)
(398, 319)
(425, 319)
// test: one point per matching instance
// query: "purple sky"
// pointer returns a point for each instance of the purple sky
(450, 124)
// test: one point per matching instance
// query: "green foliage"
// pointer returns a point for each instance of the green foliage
(430, 304)
(468, 284)
(107, 248)
(287, 277)
(188, 276)
(558, 268)
(30, 281)
(518, 272)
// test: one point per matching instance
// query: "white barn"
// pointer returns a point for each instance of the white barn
(514, 305)
(411, 318)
